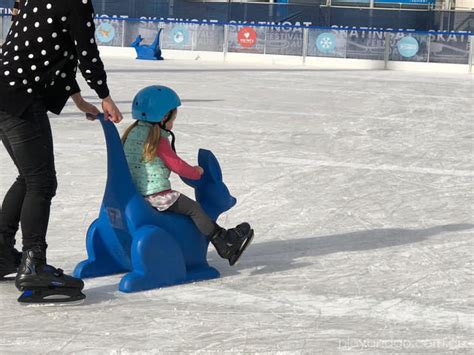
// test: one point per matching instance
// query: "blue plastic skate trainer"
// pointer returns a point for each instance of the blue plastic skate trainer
(148, 52)
(154, 249)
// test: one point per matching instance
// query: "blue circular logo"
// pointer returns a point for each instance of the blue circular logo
(105, 32)
(326, 42)
(180, 35)
(408, 47)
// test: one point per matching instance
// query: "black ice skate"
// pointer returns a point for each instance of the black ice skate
(42, 283)
(230, 244)
(10, 259)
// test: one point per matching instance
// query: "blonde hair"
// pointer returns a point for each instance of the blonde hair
(152, 141)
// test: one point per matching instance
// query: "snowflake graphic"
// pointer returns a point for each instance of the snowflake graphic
(326, 43)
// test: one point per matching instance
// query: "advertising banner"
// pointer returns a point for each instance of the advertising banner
(449, 49)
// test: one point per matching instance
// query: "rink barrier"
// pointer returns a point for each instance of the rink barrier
(394, 48)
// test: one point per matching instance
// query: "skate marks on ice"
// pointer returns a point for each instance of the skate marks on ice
(282, 255)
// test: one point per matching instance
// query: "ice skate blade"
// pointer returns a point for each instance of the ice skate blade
(235, 259)
(51, 297)
(7, 278)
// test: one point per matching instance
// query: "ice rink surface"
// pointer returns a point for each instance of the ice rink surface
(359, 185)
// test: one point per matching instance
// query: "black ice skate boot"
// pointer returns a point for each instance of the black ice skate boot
(231, 243)
(10, 258)
(43, 283)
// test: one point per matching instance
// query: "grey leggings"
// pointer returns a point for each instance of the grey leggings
(185, 205)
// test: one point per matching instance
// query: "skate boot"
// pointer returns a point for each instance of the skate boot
(43, 283)
(10, 259)
(231, 243)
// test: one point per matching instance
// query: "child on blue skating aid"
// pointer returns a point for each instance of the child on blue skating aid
(151, 158)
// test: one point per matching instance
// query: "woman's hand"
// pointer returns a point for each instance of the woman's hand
(89, 109)
(111, 111)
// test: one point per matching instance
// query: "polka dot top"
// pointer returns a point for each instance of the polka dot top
(48, 39)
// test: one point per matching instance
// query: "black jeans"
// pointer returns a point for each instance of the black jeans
(28, 141)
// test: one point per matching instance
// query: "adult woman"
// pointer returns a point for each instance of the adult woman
(46, 42)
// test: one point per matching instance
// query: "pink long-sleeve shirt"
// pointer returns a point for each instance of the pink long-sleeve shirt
(174, 162)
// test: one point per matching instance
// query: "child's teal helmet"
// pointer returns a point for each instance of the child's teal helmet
(152, 103)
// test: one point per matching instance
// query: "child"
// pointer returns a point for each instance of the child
(151, 157)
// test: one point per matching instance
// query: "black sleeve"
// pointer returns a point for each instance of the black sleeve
(63, 78)
(82, 30)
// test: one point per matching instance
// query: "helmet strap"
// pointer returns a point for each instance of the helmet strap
(162, 126)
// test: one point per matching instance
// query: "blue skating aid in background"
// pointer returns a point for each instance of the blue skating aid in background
(154, 248)
(148, 52)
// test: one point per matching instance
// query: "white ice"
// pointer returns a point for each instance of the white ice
(359, 185)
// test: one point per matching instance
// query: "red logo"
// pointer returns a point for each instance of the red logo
(247, 37)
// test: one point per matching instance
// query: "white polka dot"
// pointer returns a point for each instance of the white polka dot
(9, 42)
(24, 15)
(25, 81)
(31, 55)
(15, 48)
(33, 67)
(19, 70)
(57, 72)
(30, 90)
(84, 2)
(64, 30)
(63, 75)
(68, 88)
(16, 35)
(25, 29)
(6, 72)
(16, 57)
(89, 81)
(63, 19)
(4, 54)
(57, 47)
(12, 83)
(35, 9)
(37, 78)
(49, 6)
(52, 83)
(54, 35)
(46, 63)
(71, 57)
(65, 53)
(5, 63)
(43, 52)
(92, 40)
(27, 43)
(37, 24)
(89, 24)
(50, 20)
(94, 60)
(99, 82)
(84, 53)
(39, 39)
(88, 71)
